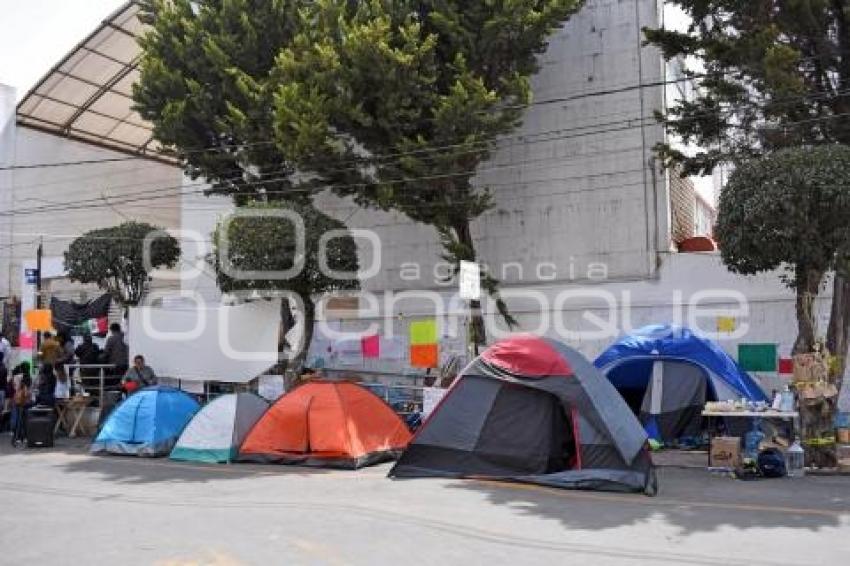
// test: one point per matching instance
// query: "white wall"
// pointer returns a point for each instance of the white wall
(58, 204)
(692, 290)
(7, 158)
(199, 216)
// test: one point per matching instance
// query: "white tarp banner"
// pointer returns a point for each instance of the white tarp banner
(225, 343)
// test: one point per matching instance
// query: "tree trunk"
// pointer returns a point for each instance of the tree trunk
(839, 319)
(808, 285)
(309, 324)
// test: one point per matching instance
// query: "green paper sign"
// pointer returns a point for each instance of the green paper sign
(423, 332)
(757, 357)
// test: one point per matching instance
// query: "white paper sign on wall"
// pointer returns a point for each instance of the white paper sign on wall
(470, 281)
(431, 397)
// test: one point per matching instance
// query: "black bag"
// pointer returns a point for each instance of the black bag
(40, 427)
(771, 463)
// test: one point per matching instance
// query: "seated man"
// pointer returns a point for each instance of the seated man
(138, 375)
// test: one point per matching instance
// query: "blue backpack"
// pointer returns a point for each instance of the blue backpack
(771, 463)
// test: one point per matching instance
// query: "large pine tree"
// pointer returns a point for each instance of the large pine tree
(393, 103)
(397, 103)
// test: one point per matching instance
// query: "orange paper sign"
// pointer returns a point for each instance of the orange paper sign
(39, 320)
(424, 356)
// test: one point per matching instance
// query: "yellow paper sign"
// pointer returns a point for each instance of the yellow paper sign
(725, 324)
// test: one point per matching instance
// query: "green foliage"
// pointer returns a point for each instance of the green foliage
(268, 243)
(114, 259)
(788, 208)
(205, 87)
(775, 75)
(392, 103)
(397, 103)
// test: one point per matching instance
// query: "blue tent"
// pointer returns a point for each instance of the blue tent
(666, 373)
(147, 423)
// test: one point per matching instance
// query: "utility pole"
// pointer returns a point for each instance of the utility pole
(38, 255)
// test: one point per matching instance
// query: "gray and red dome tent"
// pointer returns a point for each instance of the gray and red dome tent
(533, 410)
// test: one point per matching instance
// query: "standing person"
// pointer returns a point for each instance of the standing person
(51, 351)
(21, 401)
(4, 383)
(138, 376)
(115, 351)
(67, 345)
(88, 353)
(6, 351)
(46, 386)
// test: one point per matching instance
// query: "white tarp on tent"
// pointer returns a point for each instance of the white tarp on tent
(225, 343)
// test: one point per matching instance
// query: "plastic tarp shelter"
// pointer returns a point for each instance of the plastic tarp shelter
(147, 423)
(533, 410)
(666, 374)
(227, 343)
(216, 431)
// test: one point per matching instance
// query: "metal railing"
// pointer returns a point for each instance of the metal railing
(101, 377)
(404, 399)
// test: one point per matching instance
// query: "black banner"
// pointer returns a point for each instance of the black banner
(81, 318)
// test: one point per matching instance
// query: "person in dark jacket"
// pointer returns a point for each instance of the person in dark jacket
(46, 386)
(115, 351)
(88, 353)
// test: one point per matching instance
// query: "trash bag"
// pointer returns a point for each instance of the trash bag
(771, 463)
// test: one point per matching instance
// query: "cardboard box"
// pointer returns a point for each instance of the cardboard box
(725, 452)
(810, 367)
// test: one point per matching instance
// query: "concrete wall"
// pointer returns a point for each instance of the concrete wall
(58, 204)
(692, 290)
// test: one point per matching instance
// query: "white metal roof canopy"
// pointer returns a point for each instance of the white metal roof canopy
(88, 95)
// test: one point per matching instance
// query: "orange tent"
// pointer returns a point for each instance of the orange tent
(327, 423)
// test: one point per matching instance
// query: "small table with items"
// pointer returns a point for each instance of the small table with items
(70, 413)
(711, 416)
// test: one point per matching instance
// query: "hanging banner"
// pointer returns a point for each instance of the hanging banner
(81, 318)
(424, 351)
(757, 357)
(228, 343)
(371, 346)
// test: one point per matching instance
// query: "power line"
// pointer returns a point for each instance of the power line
(262, 193)
(557, 100)
(73, 205)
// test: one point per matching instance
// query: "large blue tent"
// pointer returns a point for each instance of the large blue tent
(666, 373)
(147, 423)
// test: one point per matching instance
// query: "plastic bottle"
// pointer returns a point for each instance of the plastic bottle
(787, 404)
(752, 440)
(795, 458)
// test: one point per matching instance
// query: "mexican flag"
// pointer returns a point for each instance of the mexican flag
(96, 325)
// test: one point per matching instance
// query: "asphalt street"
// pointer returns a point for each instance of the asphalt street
(62, 506)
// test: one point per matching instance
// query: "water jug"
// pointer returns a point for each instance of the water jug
(795, 458)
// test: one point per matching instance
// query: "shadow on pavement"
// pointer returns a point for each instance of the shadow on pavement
(72, 456)
(690, 500)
